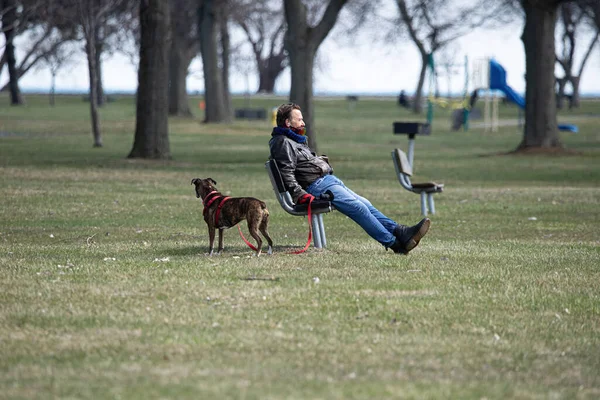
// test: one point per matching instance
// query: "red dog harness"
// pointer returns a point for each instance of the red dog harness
(212, 197)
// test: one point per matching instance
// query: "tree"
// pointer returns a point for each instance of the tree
(55, 61)
(541, 126)
(108, 32)
(36, 19)
(184, 48)
(210, 16)
(152, 124)
(89, 15)
(264, 26)
(433, 24)
(302, 42)
(571, 17)
(8, 12)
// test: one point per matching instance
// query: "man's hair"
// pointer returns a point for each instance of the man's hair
(284, 111)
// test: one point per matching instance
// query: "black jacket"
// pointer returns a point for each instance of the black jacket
(299, 166)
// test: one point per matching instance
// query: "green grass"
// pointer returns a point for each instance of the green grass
(500, 300)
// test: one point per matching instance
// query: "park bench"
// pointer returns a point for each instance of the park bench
(319, 206)
(250, 113)
(403, 164)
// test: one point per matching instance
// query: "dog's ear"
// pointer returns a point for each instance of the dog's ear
(194, 181)
(212, 180)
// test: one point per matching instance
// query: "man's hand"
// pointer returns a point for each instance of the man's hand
(306, 198)
(328, 196)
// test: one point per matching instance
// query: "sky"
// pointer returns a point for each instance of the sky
(365, 68)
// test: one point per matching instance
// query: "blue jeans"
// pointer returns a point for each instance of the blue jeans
(357, 208)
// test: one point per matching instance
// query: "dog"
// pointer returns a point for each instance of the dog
(221, 212)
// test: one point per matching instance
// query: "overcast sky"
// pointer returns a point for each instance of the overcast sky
(366, 67)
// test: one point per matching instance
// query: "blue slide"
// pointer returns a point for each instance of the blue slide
(498, 82)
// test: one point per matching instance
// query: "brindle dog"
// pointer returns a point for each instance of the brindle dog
(219, 214)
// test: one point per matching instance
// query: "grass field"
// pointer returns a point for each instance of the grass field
(106, 292)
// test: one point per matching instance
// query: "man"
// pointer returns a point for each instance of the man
(307, 176)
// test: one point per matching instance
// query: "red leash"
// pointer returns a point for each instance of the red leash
(245, 241)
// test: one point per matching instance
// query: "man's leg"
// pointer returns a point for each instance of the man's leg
(356, 208)
(387, 222)
(408, 236)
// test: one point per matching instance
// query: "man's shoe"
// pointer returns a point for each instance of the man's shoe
(409, 237)
(398, 247)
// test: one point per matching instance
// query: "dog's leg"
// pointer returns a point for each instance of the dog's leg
(253, 222)
(211, 239)
(264, 224)
(220, 250)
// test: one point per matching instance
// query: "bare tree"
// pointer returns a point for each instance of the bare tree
(432, 24)
(152, 119)
(215, 76)
(264, 26)
(88, 15)
(35, 20)
(302, 42)
(572, 17)
(56, 60)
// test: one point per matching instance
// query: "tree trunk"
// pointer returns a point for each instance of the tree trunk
(418, 99)
(215, 108)
(93, 75)
(101, 98)
(575, 98)
(52, 89)
(178, 71)
(541, 126)
(9, 20)
(152, 124)
(301, 92)
(560, 95)
(269, 71)
(266, 82)
(302, 42)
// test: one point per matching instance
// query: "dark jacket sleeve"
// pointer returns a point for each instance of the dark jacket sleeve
(284, 154)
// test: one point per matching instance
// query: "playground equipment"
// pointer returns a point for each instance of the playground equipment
(490, 77)
(432, 100)
(482, 83)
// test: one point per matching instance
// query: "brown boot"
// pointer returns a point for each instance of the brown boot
(407, 238)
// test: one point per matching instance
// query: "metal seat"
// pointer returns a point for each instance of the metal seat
(319, 207)
(425, 189)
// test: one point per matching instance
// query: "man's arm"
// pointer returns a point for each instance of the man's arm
(283, 153)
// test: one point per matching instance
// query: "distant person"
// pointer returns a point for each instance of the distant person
(403, 100)
(473, 98)
(306, 176)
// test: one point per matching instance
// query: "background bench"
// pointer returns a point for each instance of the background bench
(404, 165)
(319, 207)
(425, 189)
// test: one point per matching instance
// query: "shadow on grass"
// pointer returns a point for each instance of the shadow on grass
(238, 250)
